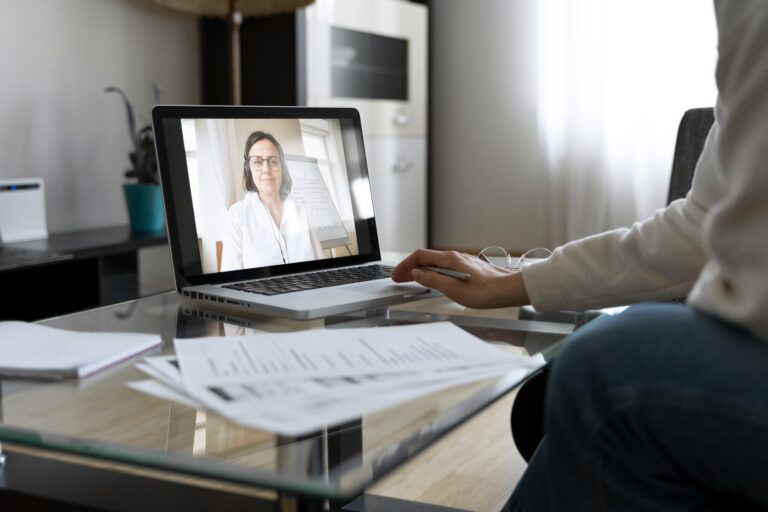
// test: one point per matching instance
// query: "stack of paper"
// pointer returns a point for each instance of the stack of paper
(294, 383)
(39, 352)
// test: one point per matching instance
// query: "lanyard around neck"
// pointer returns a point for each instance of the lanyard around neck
(275, 230)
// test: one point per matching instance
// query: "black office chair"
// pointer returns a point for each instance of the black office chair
(527, 417)
(693, 130)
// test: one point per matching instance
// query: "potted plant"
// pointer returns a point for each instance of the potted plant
(142, 194)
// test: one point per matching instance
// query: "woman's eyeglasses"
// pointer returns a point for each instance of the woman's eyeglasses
(257, 163)
(499, 257)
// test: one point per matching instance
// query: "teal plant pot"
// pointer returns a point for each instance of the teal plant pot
(145, 206)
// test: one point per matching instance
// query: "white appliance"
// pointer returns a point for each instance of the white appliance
(22, 210)
(372, 55)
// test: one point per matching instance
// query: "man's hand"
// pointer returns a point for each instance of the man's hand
(487, 287)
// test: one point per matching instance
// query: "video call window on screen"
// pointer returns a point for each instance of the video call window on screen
(268, 191)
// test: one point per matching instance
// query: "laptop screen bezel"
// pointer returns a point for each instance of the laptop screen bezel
(179, 215)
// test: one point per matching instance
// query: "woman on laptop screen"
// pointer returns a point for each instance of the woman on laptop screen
(266, 227)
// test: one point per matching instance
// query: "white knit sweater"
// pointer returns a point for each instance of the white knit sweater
(712, 245)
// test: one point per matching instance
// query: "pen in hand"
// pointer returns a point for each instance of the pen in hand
(463, 276)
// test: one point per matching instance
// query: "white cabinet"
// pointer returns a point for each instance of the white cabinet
(398, 170)
(372, 55)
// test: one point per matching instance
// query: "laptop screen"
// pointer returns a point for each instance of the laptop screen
(252, 192)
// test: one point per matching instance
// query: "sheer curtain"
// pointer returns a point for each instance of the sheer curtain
(614, 78)
(219, 183)
(219, 157)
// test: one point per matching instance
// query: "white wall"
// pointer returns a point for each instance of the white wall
(483, 147)
(56, 57)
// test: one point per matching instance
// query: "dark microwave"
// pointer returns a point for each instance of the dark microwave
(366, 65)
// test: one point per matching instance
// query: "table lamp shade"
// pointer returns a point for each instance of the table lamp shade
(221, 8)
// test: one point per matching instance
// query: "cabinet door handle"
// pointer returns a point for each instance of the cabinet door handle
(402, 119)
(402, 165)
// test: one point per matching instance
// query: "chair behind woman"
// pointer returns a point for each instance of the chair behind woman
(527, 418)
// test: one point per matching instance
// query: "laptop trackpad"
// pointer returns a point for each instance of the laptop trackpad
(384, 289)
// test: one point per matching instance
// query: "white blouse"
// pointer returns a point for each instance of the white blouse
(253, 240)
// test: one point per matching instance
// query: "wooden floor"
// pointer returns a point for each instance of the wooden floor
(474, 468)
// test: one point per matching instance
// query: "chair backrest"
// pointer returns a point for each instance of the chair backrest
(693, 131)
(528, 410)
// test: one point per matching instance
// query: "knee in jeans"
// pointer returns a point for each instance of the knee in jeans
(617, 350)
(583, 376)
(583, 352)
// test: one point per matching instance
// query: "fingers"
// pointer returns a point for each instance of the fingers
(444, 284)
(488, 286)
(402, 272)
(427, 257)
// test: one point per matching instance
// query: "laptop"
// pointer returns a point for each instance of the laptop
(269, 210)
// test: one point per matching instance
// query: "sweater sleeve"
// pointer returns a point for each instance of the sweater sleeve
(713, 243)
(657, 259)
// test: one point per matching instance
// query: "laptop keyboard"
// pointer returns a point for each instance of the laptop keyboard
(297, 283)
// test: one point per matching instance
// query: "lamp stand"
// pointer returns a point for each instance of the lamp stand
(234, 21)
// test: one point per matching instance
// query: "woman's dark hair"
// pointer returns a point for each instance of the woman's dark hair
(285, 176)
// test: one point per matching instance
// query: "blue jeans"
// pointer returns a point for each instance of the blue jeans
(660, 408)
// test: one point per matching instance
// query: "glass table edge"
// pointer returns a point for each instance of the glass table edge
(346, 486)
(176, 464)
(350, 479)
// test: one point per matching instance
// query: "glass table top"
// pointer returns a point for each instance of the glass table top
(100, 417)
